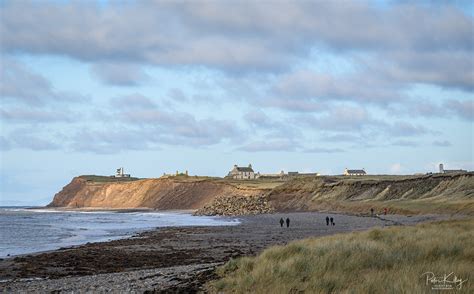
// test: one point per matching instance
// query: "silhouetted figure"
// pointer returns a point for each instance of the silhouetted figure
(327, 220)
(371, 212)
(332, 221)
(281, 222)
(287, 222)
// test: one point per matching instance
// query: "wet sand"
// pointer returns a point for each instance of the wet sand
(172, 259)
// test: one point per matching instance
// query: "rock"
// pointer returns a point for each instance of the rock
(237, 205)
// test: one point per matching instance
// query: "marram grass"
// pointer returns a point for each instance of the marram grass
(389, 260)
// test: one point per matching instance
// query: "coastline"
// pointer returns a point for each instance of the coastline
(31, 231)
(175, 258)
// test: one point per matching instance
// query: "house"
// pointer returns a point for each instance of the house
(279, 175)
(354, 172)
(242, 173)
(449, 171)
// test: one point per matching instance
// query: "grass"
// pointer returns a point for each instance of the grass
(103, 179)
(389, 260)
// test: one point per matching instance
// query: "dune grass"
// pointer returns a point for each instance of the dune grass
(389, 260)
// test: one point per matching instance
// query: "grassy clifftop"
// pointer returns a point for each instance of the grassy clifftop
(105, 179)
(390, 260)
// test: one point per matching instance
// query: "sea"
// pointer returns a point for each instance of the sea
(26, 230)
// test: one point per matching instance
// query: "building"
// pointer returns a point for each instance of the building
(120, 174)
(242, 173)
(449, 171)
(279, 175)
(298, 174)
(354, 172)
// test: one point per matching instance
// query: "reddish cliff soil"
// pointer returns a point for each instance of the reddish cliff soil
(166, 193)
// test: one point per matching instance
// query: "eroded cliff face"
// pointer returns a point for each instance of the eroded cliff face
(435, 193)
(147, 193)
(410, 194)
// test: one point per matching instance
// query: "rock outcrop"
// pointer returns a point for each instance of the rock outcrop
(237, 205)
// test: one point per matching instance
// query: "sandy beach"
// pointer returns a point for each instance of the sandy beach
(173, 259)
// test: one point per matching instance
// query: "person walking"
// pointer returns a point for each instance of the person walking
(327, 220)
(385, 211)
(281, 222)
(287, 222)
(332, 221)
(371, 212)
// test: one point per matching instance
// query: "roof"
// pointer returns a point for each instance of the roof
(356, 171)
(244, 169)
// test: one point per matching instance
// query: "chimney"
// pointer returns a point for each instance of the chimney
(441, 168)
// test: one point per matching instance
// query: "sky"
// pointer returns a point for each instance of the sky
(160, 86)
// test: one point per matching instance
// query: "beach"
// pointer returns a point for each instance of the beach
(174, 258)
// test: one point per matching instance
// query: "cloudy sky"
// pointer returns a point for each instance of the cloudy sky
(160, 86)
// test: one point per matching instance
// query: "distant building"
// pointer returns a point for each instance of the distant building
(242, 173)
(449, 171)
(298, 174)
(120, 174)
(280, 175)
(354, 172)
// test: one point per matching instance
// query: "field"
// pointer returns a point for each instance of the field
(105, 179)
(390, 260)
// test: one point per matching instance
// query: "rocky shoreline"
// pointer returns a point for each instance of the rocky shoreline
(179, 259)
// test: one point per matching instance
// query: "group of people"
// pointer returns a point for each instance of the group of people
(329, 220)
(282, 222)
(385, 210)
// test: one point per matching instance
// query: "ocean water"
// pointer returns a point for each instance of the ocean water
(25, 230)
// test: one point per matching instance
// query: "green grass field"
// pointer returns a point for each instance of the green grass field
(104, 179)
(389, 260)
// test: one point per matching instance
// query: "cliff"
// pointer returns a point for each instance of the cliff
(166, 193)
(438, 193)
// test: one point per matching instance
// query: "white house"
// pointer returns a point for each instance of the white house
(242, 173)
(354, 172)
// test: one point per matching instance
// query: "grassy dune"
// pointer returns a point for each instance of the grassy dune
(389, 260)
